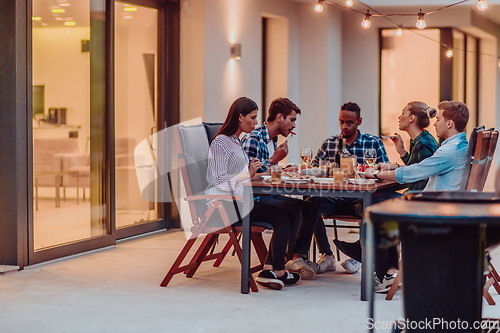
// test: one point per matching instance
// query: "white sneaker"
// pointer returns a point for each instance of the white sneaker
(351, 266)
(383, 287)
(326, 263)
(306, 268)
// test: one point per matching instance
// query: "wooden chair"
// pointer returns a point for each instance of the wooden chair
(192, 146)
(482, 144)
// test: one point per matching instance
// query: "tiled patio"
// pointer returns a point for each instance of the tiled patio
(117, 290)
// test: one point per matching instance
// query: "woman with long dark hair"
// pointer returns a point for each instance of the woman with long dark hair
(228, 169)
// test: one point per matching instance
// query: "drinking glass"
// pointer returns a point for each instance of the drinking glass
(306, 155)
(276, 172)
(370, 157)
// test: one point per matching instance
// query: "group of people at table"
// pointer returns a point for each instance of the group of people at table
(240, 151)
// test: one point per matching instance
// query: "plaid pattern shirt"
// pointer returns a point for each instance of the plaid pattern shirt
(364, 141)
(255, 145)
(422, 147)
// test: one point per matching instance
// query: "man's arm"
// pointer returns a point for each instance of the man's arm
(251, 146)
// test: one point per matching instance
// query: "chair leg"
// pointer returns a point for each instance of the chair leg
(494, 274)
(224, 252)
(336, 233)
(394, 286)
(260, 246)
(175, 268)
(200, 254)
(486, 293)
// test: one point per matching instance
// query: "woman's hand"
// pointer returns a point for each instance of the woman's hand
(254, 165)
(398, 142)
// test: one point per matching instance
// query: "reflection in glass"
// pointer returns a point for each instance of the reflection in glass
(135, 105)
(68, 148)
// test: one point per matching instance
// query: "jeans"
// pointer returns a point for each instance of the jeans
(306, 216)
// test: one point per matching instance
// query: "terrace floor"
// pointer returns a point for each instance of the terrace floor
(117, 290)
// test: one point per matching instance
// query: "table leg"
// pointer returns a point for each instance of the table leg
(367, 240)
(245, 245)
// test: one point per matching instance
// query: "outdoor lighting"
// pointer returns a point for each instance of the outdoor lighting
(482, 5)
(349, 3)
(366, 23)
(57, 10)
(399, 31)
(236, 51)
(319, 6)
(70, 23)
(36, 18)
(449, 53)
(421, 21)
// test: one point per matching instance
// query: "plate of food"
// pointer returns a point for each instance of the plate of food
(295, 180)
(266, 178)
(362, 181)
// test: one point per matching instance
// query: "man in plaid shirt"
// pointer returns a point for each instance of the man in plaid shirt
(355, 142)
(261, 144)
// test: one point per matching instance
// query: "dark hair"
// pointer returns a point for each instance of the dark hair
(423, 112)
(243, 106)
(281, 105)
(353, 107)
(456, 111)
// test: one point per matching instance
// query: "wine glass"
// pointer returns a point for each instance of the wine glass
(370, 157)
(306, 155)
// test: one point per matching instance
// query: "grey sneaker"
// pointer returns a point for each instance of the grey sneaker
(351, 266)
(306, 268)
(326, 263)
(383, 287)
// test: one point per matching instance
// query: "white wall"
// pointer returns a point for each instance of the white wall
(60, 65)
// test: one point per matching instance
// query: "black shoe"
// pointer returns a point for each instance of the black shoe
(352, 250)
(269, 279)
(290, 278)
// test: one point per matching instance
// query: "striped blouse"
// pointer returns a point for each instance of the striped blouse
(226, 159)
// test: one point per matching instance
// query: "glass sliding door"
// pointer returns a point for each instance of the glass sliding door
(69, 125)
(136, 106)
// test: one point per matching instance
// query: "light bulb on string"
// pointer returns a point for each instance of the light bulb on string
(421, 21)
(482, 5)
(399, 31)
(366, 23)
(318, 8)
(349, 3)
(449, 53)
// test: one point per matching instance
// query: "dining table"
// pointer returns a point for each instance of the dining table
(310, 187)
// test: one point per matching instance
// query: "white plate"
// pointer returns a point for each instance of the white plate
(266, 178)
(294, 180)
(361, 181)
(324, 180)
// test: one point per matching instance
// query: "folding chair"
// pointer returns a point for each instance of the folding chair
(192, 146)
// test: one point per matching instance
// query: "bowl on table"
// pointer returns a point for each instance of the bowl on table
(313, 172)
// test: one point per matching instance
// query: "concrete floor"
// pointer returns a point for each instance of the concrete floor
(117, 290)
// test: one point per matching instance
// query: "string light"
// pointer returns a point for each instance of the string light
(319, 6)
(482, 5)
(449, 53)
(421, 21)
(366, 23)
(349, 3)
(399, 31)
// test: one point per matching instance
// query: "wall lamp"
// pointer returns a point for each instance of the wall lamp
(236, 51)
